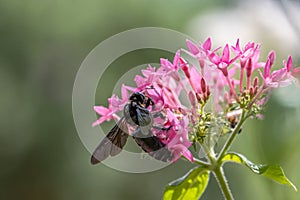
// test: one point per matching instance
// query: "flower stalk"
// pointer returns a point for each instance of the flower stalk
(232, 136)
(215, 164)
(223, 184)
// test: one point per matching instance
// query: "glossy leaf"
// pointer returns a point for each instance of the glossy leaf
(191, 186)
(273, 172)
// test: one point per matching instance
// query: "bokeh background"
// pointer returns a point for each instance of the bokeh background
(42, 44)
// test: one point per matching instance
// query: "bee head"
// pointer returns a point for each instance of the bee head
(138, 97)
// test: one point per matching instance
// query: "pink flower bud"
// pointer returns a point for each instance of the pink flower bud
(289, 64)
(207, 44)
(272, 56)
(186, 71)
(192, 98)
(255, 82)
(251, 91)
(207, 91)
(199, 99)
(203, 85)
(249, 67)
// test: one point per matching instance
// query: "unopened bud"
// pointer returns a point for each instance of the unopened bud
(255, 82)
(192, 98)
(255, 89)
(205, 97)
(203, 85)
(208, 91)
(199, 99)
(251, 91)
(249, 67)
(186, 71)
(271, 56)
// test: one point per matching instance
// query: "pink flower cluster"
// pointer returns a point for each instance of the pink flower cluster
(229, 75)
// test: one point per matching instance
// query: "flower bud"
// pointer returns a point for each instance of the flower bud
(271, 56)
(208, 91)
(186, 71)
(203, 85)
(199, 99)
(251, 91)
(255, 82)
(249, 67)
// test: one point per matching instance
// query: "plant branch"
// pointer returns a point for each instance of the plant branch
(201, 162)
(207, 153)
(198, 161)
(232, 136)
(220, 176)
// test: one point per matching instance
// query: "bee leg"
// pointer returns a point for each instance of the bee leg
(136, 132)
(162, 128)
(158, 114)
(145, 110)
(240, 131)
(142, 132)
(150, 102)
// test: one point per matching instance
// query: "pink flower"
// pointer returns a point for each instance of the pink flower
(107, 114)
(179, 150)
(200, 52)
(167, 66)
(222, 62)
(178, 140)
(217, 75)
(193, 76)
(149, 76)
(114, 105)
(279, 78)
(195, 50)
(249, 51)
(289, 67)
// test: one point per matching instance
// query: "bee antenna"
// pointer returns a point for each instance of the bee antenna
(152, 88)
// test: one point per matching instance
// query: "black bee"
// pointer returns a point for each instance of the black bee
(136, 114)
(233, 120)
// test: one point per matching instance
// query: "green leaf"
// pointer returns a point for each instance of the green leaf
(273, 172)
(191, 186)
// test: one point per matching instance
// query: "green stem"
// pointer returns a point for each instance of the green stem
(208, 153)
(220, 176)
(232, 136)
(200, 162)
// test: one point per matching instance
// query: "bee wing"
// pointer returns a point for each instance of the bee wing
(153, 146)
(162, 154)
(120, 139)
(112, 144)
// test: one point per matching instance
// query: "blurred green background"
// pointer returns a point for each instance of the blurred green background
(42, 46)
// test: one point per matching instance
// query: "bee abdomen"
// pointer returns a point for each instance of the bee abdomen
(149, 144)
(154, 147)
